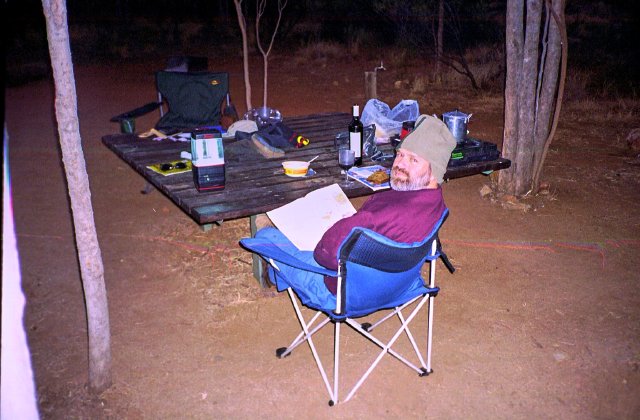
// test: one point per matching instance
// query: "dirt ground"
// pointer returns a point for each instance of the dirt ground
(541, 319)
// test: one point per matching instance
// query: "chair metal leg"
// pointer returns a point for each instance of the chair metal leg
(370, 327)
(386, 348)
(398, 311)
(309, 340)
(429, 334)
(412, 340)
(301, 338)
(432, 282)
(413, 307)
(336, 363)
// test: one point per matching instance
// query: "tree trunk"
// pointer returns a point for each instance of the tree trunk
(514, 40)
(545, 121)
(527, 125)
(440, 40)
(91, 269)
(527, 93)
(245, 52)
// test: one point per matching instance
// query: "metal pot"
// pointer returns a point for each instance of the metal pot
(457, 121)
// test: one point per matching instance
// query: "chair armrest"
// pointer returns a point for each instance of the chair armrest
(138, 112)
(268, 250)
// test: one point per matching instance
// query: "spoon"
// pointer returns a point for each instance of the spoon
(314, 159)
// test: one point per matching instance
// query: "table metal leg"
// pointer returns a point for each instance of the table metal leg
(148, 188)
(208, 226)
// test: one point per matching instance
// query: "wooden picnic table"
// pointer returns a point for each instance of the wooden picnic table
(257, 185)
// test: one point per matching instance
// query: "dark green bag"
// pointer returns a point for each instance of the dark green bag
(194, 99)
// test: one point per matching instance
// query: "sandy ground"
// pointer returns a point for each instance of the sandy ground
(541, 319)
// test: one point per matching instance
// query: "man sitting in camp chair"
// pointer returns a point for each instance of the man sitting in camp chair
(406, 213)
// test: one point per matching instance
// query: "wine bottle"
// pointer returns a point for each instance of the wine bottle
(356, 135)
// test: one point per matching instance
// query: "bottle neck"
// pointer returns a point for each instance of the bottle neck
(356, 111)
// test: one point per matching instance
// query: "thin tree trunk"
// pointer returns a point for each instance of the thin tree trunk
(527, 93)
(245, 52)
(89, 256)
(440, 40)
(550, 96)
(260, 7)
(514, 39)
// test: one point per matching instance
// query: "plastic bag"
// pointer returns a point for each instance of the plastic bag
(389, 121)
(369, 146)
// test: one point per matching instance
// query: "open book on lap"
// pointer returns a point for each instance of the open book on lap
(306, 219)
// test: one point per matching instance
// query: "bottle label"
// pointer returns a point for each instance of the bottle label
(355, 142)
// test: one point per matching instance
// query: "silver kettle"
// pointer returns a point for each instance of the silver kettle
(457, 121)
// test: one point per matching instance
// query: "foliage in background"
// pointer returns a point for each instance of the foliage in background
(601, 35)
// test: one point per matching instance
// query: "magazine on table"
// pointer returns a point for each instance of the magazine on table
(362, 173)
(306, 219)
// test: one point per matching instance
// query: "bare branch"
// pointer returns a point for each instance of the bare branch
(260, 8)
(245, 52)
(543, 56)
(559, 19)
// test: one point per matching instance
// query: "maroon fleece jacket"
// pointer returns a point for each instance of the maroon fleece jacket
(403, 216)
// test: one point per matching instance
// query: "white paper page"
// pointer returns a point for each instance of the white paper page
(306, 219)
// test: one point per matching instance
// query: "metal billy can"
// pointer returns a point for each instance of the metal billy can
(457, 121)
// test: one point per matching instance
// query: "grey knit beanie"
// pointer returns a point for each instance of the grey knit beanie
(432, 141)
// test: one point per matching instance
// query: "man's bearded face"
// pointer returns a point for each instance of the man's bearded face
(410, 172)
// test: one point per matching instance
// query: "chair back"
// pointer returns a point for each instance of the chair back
(380, 273)
(195, 99)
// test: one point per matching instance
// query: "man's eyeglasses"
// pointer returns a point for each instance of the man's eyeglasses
(169, 166)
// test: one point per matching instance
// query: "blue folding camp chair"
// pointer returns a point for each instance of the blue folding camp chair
(374, 274)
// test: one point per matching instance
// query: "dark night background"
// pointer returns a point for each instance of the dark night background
(602, 34)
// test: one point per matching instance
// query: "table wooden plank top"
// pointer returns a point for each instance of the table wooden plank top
(254, 184)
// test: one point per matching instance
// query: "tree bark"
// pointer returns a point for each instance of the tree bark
(245, 52)
(527, 94)
(514, 40)
(549, 86)
(90, 259)
(531, 92)
(440, 40)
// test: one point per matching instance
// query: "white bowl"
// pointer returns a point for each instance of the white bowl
(295, 168)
